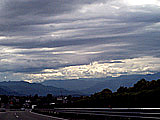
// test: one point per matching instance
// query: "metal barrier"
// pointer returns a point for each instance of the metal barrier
(125, 113)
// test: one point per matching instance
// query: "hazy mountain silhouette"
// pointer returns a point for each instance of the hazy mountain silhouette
(68, 87)
(25, 88)
(73, 84)
(124, 80)
(6, 91)
(90, 86)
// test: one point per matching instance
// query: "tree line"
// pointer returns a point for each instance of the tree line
(143, 94)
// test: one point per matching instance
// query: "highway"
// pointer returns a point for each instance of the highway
(131, 113)
(103, 113)
(25, 115)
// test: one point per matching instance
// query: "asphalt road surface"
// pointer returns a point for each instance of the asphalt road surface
(25, 115)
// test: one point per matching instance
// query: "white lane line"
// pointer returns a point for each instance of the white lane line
(48, 116)
(114, 108)
(16, 115)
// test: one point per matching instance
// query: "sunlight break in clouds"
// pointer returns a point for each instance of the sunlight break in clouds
(114, 68)
(2, 37)
(142, 2)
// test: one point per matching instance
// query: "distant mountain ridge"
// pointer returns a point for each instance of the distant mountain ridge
(92, 85)
(71, 87)
(124, 80)
(25, 88)
(73, 84)
(3, 91)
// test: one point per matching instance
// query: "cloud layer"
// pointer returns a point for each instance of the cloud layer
(55, 39)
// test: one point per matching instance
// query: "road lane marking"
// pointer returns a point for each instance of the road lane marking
(16, 115)
(49, 116)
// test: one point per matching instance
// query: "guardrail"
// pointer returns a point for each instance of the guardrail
(105, 113)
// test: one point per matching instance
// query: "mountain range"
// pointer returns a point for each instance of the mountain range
(92, 85)
(73, 87)
(25, 88)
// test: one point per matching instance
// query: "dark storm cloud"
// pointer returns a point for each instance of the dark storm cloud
(37, 68)
(55, 34)
(19, 17)
(37, 7)
(51, 44)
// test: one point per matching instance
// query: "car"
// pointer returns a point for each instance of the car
(2, 110)
(22, 109)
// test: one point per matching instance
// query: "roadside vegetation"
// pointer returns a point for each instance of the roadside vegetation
(142, 94)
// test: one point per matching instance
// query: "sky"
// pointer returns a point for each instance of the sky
(71, 39)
